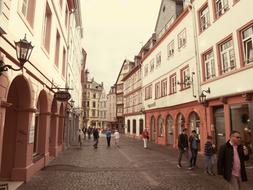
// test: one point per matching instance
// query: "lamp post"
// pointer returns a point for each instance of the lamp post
(202, 96)
(23, 52)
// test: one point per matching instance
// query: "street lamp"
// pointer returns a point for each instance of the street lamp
(202, 96)
(23, 51)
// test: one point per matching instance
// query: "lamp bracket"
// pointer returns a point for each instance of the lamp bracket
(4, 67)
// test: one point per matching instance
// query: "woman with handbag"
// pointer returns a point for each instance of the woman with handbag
(145, 137)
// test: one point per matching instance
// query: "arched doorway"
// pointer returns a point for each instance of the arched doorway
(141, 126)
(153, 128)
(40, 125)
(170, 129)
(53, 129)
(16, 128)
(180, 123)
(61, 125)
(160, 126)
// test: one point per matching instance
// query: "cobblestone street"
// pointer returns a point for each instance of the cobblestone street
(129, 167)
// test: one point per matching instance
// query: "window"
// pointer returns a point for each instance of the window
(128, 126)
(27, 9)
(170, 49)
(157, 90)
(185, 78)
(148, 92)
(93, 113)
(204, 20)
(93, 104)
(227, 56)
(160, 126)
(152, 65)
(146, 70)
(164, 87)
(94, 95)
(209, 65)
(88, 104)
(47, 28)
(181, 39)
(57, 48)
(63, 62)
(134, 126)
(158, 59)
(221, 6)
(173, 84)
(247, 42)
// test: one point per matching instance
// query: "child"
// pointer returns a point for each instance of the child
(209, 152)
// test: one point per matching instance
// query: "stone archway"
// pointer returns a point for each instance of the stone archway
(53, 129)
(16, 130)
(153, 128)
(60, 127)
(160, 125)
(170, 130)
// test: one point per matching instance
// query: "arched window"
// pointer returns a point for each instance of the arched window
(194, 122)
(153, 128)
(170, 124)
(160, 126)
(180, 123)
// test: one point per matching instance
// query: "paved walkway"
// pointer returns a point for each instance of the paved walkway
(129, 167)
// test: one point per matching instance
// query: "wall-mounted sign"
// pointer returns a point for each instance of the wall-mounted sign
(152, 105)
(62, 96)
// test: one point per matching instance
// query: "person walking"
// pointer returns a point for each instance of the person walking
(89, 132)
(117, 136)
(209, 155)
(182, 146)
(231, 159)
(80, 137)
(194, 146)
(145, 137)
(108, 136)
(84, 132)
(96, 137)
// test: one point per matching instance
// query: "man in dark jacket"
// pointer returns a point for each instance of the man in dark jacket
(231, 161)
(194, 146)
(96, 137)
(182, 146)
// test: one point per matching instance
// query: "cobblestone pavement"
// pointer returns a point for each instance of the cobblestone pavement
(129, 167)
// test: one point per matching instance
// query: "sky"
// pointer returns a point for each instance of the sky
(115, 30)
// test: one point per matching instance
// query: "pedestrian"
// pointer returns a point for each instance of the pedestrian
(209, 155)
(117, 136)
(182, 146)
(145, 137)
(84, 132)
(80, 137)
(96, 137)
(89, 132)
(231, 159)
(194, 146)
(108, 134)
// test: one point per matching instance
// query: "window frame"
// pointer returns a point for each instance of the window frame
(204, 64)
(224, 8)
(184, 72)
(148, 92)
(173, 83)
(158, 59)
(182, 35)
(157, 90)
(171, 49)
(164, 87)
(220, 53)
(200, 16)
(152, 65)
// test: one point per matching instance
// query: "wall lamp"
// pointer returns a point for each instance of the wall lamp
(202, 96)
(23, 51)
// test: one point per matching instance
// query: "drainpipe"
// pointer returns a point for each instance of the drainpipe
(196, 49)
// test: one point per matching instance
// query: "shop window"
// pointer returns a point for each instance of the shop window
(180, 123)
(240, 121)
(134, 126)
(160, 126)
(128, 126)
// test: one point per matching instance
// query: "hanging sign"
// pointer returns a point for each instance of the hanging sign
(62, 96)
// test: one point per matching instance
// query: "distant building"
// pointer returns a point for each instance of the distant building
(111, 108)
(133, 107)
(103, 110)
(125, 68)
(92, 92)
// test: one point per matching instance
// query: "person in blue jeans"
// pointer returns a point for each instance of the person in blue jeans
(108, 136)
(194, 146)
(209, 155)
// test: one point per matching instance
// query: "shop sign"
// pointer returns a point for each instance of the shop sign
(62, 96)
